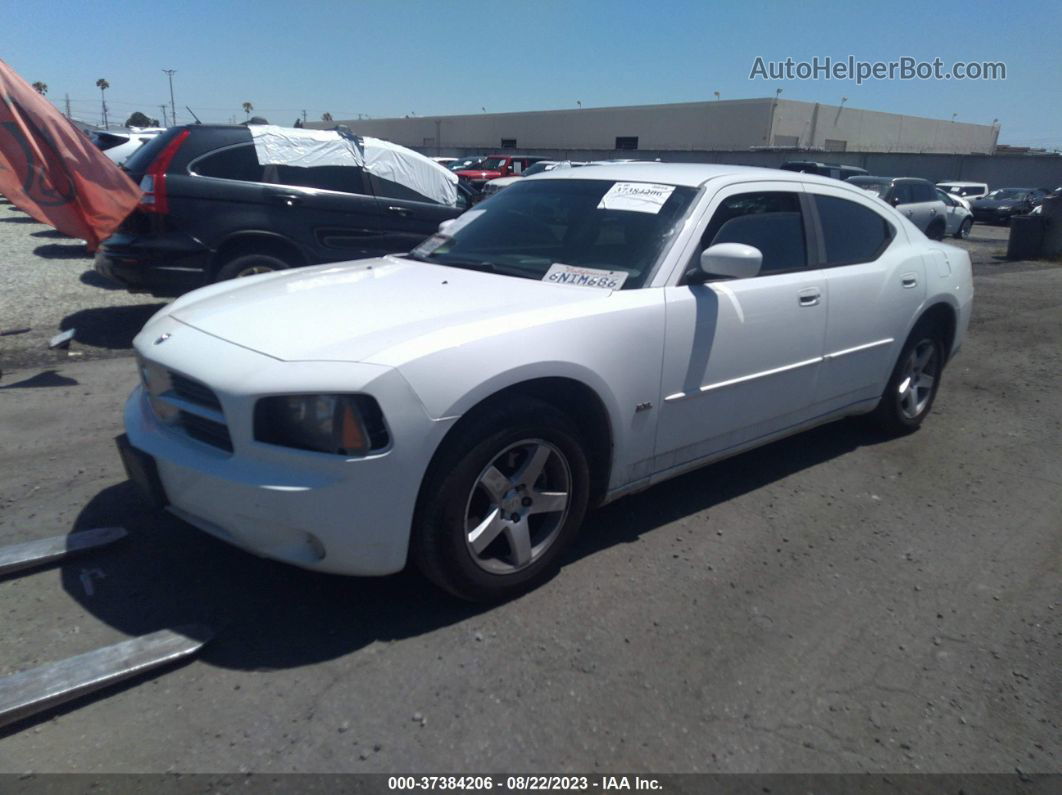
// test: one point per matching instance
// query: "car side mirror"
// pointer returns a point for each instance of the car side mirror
(894, 201)
(734, 260)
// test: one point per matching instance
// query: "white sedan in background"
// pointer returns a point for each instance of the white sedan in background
(583, 335)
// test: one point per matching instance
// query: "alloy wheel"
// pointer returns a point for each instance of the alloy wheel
(517, 506)
(920, 374)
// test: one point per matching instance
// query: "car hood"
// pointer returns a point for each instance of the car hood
(479, 174)
(992, 204)
(380, 311)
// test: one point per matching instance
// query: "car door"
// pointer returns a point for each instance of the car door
(329, 209)
(407, 217)
(741, 356)
(952, 215)
(875, 278)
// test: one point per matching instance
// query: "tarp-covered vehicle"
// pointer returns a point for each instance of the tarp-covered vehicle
(222, 201)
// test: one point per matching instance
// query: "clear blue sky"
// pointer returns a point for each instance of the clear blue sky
(391, 58)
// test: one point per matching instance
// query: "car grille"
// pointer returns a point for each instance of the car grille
(193, 391)
(187, 405)
(206, 431)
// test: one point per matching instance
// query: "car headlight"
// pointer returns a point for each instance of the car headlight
(340, 424)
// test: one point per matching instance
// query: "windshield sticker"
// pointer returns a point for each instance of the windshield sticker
(585, 277)
(431, 244)
(639, 197)
(460, 222)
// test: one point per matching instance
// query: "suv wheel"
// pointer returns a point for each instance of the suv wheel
(250, 265)
(964, 229)
(501, 501)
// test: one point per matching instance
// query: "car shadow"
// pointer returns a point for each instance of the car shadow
(46, 378)
(51, 233)
(268, 615)
(93, 279)
(110, 327)
(62, 251)
(20, 219)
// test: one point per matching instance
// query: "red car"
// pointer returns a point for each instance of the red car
(495, 166)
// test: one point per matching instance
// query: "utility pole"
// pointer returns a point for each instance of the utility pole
(68, 106)
(162, 107)
(304, 117)
(173, 108)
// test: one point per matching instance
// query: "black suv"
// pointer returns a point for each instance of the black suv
(211, 211)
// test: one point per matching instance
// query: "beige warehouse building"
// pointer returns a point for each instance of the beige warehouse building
(731, 125)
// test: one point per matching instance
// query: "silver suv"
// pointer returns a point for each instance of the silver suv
(916, 198)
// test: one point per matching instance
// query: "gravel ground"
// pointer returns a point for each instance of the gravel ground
(833, 602)
(47, 285)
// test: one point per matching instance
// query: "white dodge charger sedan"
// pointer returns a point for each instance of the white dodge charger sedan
(585, 334)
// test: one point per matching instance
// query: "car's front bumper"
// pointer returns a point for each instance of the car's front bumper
(317, 511)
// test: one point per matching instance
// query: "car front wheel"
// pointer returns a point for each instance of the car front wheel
(964, 229)
(501, 501)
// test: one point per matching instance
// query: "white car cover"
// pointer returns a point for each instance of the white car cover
(303, 148)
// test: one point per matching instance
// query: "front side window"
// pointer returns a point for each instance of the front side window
(237, 162)
(922, 192)
(851, 232)
(770, 221)
(344, 179)
(529, 227)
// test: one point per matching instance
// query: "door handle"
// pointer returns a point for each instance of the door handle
(287, 199)
(403, 211)
(809, 296)
(909, 280)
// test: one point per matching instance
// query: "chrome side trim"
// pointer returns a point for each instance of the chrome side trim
(742, 379)
(857, 348)
(796, 365)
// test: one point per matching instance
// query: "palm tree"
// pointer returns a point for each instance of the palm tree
(103, 85)
(326, 116)
(40, 88)
(247, 108)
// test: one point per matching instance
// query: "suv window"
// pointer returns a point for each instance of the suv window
(851, 232)
(386, 189)
(922, 192)
(901, 193)
(345, 179)
(236, 162)
(770, 221)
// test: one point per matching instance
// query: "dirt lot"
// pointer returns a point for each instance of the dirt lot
(833, 602)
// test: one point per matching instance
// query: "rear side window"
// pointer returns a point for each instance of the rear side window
(345, 179)
(769, 221)
(386, 189)
(237, 162)
(851, 232)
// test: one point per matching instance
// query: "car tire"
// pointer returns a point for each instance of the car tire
(935, 231)
(501, 500)
(249, 265)
(963, 232)
(913, 384)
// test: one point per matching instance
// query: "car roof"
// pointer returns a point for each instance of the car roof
(961, 183)
(691, 175)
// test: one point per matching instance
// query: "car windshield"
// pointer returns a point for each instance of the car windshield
(878, 188)
(539, 167)
(567, 225)
(1007, 193)
(468, 162)
(489, 163)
